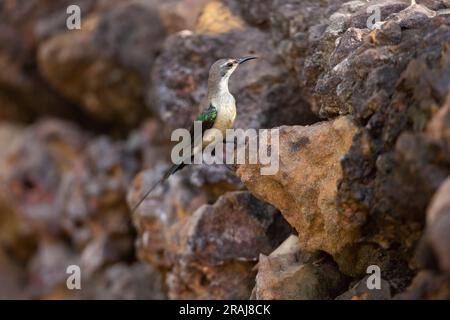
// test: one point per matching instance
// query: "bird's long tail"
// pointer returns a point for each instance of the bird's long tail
(174, 168)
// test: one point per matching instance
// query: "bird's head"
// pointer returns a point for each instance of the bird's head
(223, 68)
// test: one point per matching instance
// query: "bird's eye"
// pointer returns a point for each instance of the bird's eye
(229, 64)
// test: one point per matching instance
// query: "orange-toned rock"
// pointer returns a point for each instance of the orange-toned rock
(305, 187)
(178, 15)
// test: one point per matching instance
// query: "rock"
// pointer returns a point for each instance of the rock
(438, 222)
(96, 215)
(138, 50)
(216, 247)
(104, 250)
(138, 281)
(216, 17)
(23, 93)
(180, 15)
(387, 9)
(290, 274)
(385, 155)
(168, 204)
(147, 144)
(296, 281)
(427, 285)
(305, 194)
(99, 68)
(47, 270)
(232, 280)
(236, 227)
(40, 19)
(34, 168)
(254, 13)
(360, 292)
(392, 168)
(438, 128)
(414, 16)
(297, 29)
(18, 238)
(63, 200)
(290, 246)
(12, 279)
(434, 4)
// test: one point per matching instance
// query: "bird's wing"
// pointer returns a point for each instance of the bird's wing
(207, 118)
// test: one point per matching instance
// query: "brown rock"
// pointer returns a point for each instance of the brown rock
(96, 214)
(102, 70)
(438, 224)
(165, 206)
(237, 227)
(290, 274)
(63, 201)
(216, 17)
(427, 285)
(47, 270)
(438, 129)
(213, 250)
(360, 292)
(232, 280)
(393, 82)
(180, 15)
(33, 171)
(137, 281)
(12, 278)
(17, 236)
(306, 194)
(414, 16)
(23, 93)
(39, 19)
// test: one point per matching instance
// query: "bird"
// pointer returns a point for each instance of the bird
(219, 112)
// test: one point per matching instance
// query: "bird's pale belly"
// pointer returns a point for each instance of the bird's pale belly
(224, 121)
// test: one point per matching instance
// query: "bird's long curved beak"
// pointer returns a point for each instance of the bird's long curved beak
(244, 59)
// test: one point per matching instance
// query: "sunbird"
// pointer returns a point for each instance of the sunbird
(219, 112)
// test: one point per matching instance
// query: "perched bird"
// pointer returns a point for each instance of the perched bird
(219, 111)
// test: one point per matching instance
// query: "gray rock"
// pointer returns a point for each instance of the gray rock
(290, 274)
(219, 243)
(360, 291)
